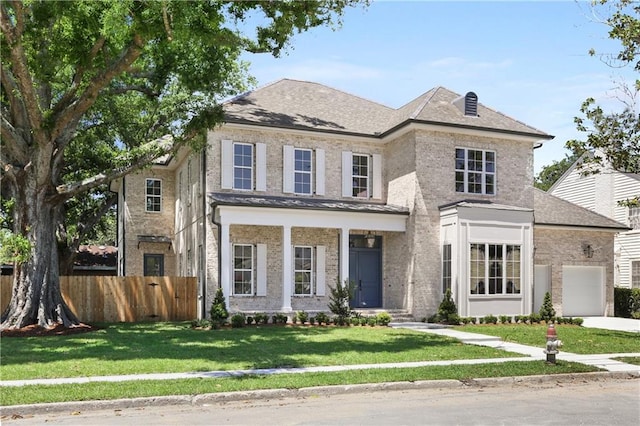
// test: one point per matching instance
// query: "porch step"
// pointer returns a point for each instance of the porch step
(397, 315)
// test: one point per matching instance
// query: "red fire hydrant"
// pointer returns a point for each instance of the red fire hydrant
(552, 344)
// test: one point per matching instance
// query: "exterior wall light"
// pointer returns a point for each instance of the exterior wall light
(587, 250)
(370, 240)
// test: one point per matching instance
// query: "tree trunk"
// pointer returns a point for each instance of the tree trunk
(36, 297)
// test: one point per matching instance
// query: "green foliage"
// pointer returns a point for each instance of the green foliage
(490, 319)
(238, 320)
(339, 299)
(535, 318)
(279, 318)
(322, 318)
(14, 248)
(505, 319)
(218, 312)
(383, 318)
(550, 174)
(547, 313)
(302, 316)
(626, 301)
(447, 311)
(261, 318)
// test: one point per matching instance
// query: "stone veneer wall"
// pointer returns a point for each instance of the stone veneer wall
(562, 247)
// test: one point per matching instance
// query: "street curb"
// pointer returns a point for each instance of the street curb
(214, 398)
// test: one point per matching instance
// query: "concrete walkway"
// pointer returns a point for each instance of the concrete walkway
(530, 353)
(613, 323)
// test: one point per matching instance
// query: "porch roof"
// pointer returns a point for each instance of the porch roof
(228, 199)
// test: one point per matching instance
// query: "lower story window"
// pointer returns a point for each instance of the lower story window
(243, 261)
(495, 269)
(303, 271)
(153, 265)
(446, 268)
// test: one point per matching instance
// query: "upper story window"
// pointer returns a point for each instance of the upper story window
(361, 175)
(303, 171)
(475, 171)
(153, 188)
(634, 217)
(242, 166)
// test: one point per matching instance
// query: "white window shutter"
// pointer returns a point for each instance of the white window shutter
(226, 165)
(287, 168)
(320, 171)
(377, 177)
(347, 174)
(320, 270)
(261, 167)
(261, 269)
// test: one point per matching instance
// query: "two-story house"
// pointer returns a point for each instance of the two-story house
(604, 192)
(305, 185)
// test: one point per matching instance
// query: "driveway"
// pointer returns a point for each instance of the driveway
(613, 323)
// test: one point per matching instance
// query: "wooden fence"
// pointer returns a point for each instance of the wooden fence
(123, 299)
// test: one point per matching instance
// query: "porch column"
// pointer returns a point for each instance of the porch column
(344, 255)
(225, 262)
(287, 269)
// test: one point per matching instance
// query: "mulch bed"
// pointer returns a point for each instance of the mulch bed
(57, 330)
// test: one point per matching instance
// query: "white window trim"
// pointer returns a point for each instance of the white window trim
(631, 262)
(368, 176)
(634, 218)
(234, 270)
(483, 173)
(311, 272)
(147, 195)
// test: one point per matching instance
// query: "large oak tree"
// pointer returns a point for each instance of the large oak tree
(89, 88)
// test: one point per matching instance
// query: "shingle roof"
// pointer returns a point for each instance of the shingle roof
(313, 106)
(551, 210)
(228, 199)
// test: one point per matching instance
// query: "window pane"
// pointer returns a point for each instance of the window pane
(477, 169)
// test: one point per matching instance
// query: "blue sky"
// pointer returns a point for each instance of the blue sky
(528, 60)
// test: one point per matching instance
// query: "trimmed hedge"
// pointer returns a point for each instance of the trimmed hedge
(622, 301)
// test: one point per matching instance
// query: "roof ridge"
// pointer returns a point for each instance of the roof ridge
(426, 101)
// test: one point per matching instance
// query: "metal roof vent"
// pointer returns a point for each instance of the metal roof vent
(468, 104)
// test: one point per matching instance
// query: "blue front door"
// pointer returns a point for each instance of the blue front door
(365, 274)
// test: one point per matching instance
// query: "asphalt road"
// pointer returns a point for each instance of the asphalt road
(609, 402)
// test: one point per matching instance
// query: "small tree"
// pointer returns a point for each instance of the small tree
(219, 313)
(547, 312)
(447, 311)
(339, 300)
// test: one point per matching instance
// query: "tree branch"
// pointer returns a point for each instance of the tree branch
(13, 142)
(71, 115)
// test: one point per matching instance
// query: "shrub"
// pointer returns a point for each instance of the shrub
(383, 318)
(262, 318)
(577, 321)
(218, 310)
(280, 318)
(621, 298)
(433, 318)
(339, 299)
(546, 310)
(238, 320)
(535, 318)
(453, 319)
(505, 319)
(467, 320)
(302, 316)
(250, 320)
(490, 319)
(322, 318)
(447, 307)
(355, 321)
(200, 323)
(372, 321)
(363, 320)
(312, 320)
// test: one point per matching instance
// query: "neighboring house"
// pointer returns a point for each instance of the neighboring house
(305, 185)
(601, 193)
(90, 260)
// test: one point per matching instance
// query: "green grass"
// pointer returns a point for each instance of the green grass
(174, 347)
(575, 339)
(107, 390)
(635, 360)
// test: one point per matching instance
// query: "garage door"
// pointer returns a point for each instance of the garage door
(582, 291)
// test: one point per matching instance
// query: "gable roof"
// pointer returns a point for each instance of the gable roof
(554, 211)
(305, 105)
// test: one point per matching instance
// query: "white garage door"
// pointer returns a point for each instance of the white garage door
(582, 291)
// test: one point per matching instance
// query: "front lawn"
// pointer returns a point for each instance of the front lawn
(127, 348)
(575, 339)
